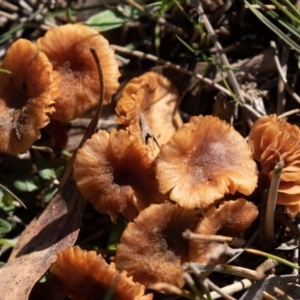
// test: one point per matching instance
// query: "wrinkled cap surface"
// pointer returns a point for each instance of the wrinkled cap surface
(205, 159)
(152, 248)
(26, 96)
(230, 219)
(152, 100)
(68, 49)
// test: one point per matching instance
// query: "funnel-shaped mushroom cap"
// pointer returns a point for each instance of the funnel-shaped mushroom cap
(153, 99)
(152, 248)
(67, 48)
(26, 96)
(231, 219)
(115, 174)
(204, 160)
(273, 139)
(87, 276)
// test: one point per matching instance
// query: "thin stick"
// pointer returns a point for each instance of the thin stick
(272, 198)
(11, 193)
(189, 235)
(206, 282)
(92, 127)
(226, 269)
(233, 288)
(281, 90)
(282, 76)
(222, 55)
(288, 113)
(156, 59)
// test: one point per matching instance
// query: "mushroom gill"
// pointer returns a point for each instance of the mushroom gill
(87, 276)
(271, 140)
(114, 173)
(150, 103)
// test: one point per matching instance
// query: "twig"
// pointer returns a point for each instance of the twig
(227, 269)
(171, 289)
(11, 193)
(281, 94)
(222, 55)
(93, 123)
(206, 282)
(268, 296)
(282, 293)
(156, 59)
(233, 288)
(272, 197)
(288, 113)
(282, 76)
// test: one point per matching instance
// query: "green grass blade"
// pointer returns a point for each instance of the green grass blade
(286, 12)
(274, 28)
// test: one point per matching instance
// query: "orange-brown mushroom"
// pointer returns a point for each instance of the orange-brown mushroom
(87, 276)
(152, 248)
(26, 96)
(231, 219)
(205, 159)
(67, 48)
(114, 173)
(271, 140)
(150, 100)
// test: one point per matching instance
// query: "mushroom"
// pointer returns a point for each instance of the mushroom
(149, 106)
(152, 248)
(272, 139)
(205, 159)
(230, 219)
(87, 276)
(115, 174)
(67, 48)
(26, 96)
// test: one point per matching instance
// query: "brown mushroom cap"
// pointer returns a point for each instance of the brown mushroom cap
(67, 48)
(205, 159)
(272, 139)
(26, 96)
(115, 174)
(87, 276)
(152, 248)
(231, 219)
(156, 98)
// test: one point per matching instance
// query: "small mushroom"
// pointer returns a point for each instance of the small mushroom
(149, 106)
(114, 173)
(26, 96)
(67, 48)
(205, 159)
(87, 276)
(152, 248)
(231, 219)
(271, 140)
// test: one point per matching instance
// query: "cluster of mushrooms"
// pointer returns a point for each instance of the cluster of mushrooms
(161, 175)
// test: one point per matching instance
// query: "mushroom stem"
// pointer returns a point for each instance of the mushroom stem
(272, 198)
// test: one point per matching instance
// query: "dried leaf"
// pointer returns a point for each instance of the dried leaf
(56, 229)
